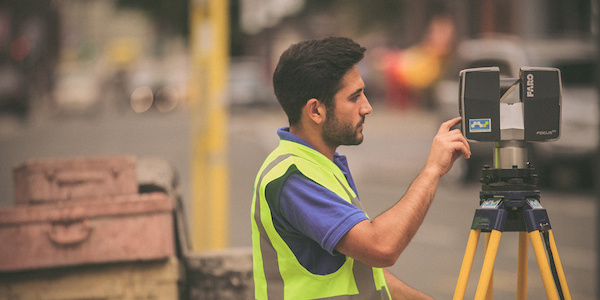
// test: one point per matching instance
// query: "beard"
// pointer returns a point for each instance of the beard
(336, 133)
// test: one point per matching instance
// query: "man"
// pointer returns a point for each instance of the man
(310, 237)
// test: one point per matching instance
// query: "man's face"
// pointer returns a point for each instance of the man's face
(344, 124)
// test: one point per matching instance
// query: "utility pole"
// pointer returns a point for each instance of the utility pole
(595, 28)
(209, 46)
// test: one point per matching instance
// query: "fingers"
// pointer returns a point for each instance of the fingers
(455, 136)
(456, 143)
(449, 124)
(448, 145)
(464, 149)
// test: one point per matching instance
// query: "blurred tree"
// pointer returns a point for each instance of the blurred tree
(236, 35)
(404, 22)
(29, 52)
(171, 16)
(374, 14)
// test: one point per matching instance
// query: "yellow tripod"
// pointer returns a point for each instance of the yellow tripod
(509, 203)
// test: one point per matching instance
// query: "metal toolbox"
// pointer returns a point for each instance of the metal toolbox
(51, 180)
(107, 229)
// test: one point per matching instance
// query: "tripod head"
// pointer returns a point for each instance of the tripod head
(511, 171)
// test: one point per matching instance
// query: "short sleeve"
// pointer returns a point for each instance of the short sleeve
(316, 212)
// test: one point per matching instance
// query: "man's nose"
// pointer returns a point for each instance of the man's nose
(366, 107)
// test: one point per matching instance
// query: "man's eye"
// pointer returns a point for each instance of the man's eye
(356, 97)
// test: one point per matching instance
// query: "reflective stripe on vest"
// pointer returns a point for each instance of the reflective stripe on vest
(364, 276)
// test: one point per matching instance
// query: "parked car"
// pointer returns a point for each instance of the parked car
(567, 162)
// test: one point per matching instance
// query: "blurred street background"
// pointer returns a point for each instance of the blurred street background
(189, 82)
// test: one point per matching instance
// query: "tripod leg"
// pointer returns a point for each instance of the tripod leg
(488, 265)
(522, 266)
(546, 238)
(559, 268)
(490, 290)
(540, 255)
(467, 264)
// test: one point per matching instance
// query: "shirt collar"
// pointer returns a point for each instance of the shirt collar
(339, 159)
(285, 134)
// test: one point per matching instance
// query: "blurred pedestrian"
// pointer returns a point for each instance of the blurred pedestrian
(410, 72)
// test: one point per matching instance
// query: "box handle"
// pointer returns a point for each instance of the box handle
(70, 178)
(75, 178)
(70, 233)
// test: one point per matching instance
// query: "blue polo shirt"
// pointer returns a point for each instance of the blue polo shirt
(310, 218)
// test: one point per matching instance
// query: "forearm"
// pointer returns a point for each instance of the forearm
(398, 225)
(380, 242)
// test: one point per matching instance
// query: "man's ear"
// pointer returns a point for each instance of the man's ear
(315, 110)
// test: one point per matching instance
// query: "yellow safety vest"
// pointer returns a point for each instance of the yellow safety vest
(277, 272)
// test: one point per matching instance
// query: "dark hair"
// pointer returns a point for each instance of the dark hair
(313, 69)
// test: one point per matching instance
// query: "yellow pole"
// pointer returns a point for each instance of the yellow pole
(522, 266)
(467, 264)
(490, 290)
(488, 265)
(209, 46)
(540, 255)
(559, 268)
